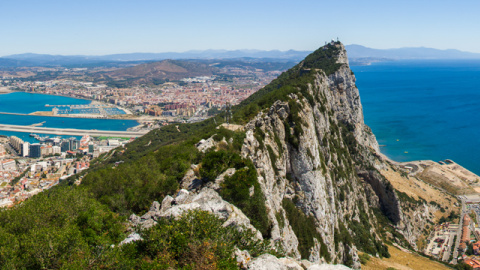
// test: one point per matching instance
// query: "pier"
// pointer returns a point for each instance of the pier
(71, 131)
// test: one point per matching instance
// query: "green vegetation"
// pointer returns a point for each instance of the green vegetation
(450, 218)
(46, 234)
(463, 266)
(273, 157)
(74, 227)
(305, 229)
(295, 80)
(16, 179)
(216, 162)
(364, 258)
(236, 190)
(60, 228)
(196, 241)
(469, 250)
(132, 186)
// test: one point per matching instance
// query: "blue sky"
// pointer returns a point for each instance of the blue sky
(107, 27)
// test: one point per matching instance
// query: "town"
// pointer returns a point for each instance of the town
(185, 100)
(451, 242)
(29, 168)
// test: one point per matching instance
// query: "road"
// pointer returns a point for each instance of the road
(450, 245)
(71, 131)
(459, 233)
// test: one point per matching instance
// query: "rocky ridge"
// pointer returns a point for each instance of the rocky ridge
(314, 151)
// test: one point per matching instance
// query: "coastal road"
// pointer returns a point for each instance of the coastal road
(459, 232)
(71, 131)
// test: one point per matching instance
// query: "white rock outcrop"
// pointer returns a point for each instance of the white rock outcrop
(206, 199)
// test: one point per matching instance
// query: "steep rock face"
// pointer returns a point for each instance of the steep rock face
(315, 150)
(317, 165)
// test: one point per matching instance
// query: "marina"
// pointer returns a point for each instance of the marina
(23, 116)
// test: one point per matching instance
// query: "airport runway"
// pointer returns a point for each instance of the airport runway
(71, 131)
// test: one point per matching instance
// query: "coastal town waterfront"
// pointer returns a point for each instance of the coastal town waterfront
(29, 168)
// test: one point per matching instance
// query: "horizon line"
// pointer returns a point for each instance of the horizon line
(228, 50)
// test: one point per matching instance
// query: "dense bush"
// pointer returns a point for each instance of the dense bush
(132, 186)
(305, 229)
(236, 190)
(82, 234)
(55, 229)
(195, 241)
(216, 162)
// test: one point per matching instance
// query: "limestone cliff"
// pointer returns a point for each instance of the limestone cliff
(314, 149)
(319, 169)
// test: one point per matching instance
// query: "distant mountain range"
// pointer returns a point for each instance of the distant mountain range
(31, 59)
(358, 51)
(158, 72)
(357, 54)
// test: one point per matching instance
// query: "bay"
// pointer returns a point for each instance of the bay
(20, 102)
(426, 109)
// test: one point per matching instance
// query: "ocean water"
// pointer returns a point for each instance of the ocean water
(20, 102)
(427, 109)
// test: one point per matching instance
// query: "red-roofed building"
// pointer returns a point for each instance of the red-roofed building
(473, 263)
(465, 239)
(476, 248)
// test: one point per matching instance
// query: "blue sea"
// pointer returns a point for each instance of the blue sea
(21, 102)
(425, 109)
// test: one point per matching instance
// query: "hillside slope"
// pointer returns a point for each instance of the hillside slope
(299, 176)
(161, 71)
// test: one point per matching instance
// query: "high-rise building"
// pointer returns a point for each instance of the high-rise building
(73, 143)
(91, 148)
(25, 149)
(35, 150)
(65, 145)
(16, 143)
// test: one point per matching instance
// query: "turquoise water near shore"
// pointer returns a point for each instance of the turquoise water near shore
(424, 109)
(20, 102)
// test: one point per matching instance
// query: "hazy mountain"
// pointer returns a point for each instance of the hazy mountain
(160, 71)
(358, 54)
(358, 51)
(8, 62)
(82, 60)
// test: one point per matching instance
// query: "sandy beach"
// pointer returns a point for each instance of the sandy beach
(4, 90)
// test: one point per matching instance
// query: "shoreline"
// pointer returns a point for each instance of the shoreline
(446, 174)
(74, 117)
(139, 119)
(5, 90)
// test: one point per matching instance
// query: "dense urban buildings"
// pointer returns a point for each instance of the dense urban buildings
(28, 168)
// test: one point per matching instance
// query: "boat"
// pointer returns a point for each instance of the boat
(32, 135)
